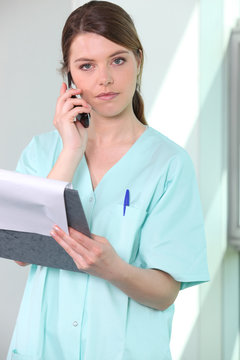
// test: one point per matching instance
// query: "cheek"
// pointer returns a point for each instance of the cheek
(79, 78)
(84, 84)
(128, 84)
(87, 95)
(128, 78)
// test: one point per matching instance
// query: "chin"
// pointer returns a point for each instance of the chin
(113, 113)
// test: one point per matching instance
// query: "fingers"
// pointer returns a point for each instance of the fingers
(68, 242)
(68, 101)
(72, 102)
(95, 257)
(21, 263)
(71, 116)
(99, 239)
(65, 94)
(82, 239)
(68, 93)
(85, 240)
(78, 253)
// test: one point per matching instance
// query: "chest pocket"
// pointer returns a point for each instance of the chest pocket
(122, 231)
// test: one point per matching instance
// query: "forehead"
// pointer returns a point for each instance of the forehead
(93, 46)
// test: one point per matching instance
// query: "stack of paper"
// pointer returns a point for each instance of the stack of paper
(29, 207)
(31, 203)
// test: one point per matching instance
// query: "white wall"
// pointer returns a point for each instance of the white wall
(30, 53)
(220, 298)
(185, 91)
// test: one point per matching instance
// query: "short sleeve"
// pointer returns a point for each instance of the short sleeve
(27, 163)
(39, 155)
(173, 236)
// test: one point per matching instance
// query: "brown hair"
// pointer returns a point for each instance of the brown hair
(111, 21)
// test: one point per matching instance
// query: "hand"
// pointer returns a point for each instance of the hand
(73, 133)
(95, 256)
(20, 263)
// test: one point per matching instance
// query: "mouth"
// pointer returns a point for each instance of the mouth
(107, 96)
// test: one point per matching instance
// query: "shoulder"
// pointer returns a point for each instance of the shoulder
(172, 171)
(44, 145)
(46, 141)
(165, 153)
(40, 154)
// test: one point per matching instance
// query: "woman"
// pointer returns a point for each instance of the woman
(140, 196)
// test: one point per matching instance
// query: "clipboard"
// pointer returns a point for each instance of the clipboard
(41, 249)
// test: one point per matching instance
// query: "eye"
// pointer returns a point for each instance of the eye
(85, 67)
(119, 61)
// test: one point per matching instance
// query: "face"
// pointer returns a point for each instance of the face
(106, 72)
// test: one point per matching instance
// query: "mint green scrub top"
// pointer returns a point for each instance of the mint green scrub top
(66, 315)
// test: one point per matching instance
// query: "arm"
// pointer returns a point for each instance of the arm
(150, 287)
(73, 134)
(96, 256)
(65, 166)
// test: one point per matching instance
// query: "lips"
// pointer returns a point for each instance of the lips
(107, 96)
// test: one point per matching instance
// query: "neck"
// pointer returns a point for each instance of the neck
(108, 131)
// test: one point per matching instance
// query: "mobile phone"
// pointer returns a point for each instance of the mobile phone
(84, 118)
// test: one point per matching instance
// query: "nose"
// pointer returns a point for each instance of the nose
(105, 76)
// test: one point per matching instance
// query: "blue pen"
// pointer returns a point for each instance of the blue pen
(126, 201)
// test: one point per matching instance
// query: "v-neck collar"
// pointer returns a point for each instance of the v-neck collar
(118, 163)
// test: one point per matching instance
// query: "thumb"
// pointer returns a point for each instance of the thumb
(63, 88)
(98, 238)
(21, 263)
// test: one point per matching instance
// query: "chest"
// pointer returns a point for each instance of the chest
(100, 161)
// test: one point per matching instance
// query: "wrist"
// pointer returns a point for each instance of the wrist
(66, 165)
(121, 272)
(72, 153)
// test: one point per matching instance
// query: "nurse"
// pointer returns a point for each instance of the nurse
(140, 196)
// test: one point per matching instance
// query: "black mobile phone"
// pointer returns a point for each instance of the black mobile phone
(82, 117)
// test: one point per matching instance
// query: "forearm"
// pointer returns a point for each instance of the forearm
(97, 257)
(150, 287)
(65, 166)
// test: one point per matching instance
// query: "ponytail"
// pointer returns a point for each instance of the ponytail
(138, 107)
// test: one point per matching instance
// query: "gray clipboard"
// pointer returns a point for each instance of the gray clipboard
(44, 250)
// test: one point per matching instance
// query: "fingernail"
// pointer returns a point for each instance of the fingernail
(52, 233)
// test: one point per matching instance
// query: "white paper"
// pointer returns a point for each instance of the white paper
(31, 203)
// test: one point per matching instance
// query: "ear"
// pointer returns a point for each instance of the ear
(139, 60)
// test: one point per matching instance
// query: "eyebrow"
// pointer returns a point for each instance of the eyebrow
(114, 54)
